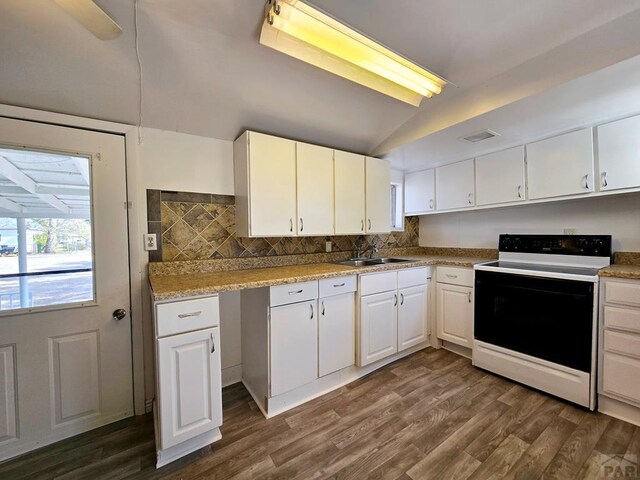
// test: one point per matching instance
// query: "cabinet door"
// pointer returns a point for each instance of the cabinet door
(378, 195)
(378, 329)
(293, 346)
(455, 314)
(619, 154)
(419, 192)
(336, 333)
(455, 185)
(272, 185)
(561, 165)
(412, 317)
(314, 189)
(190, 390)
(500, 177)
(349, 193)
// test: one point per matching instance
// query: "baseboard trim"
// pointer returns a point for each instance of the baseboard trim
(231, 375)
(616, 408)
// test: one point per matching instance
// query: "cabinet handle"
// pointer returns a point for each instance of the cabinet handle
(396, 299)
(586, 181)
(291, 224)
(311, 305)
(448, 275)
(431, 204)
(322, 308)
(369, 224)
(339, 285)
(301, 224)
(190, 314)
(519, 191)
(604, 179)
(469, 297)
(362, 225)
(213, 344)
(469, 199)
(296, 292)
(402, 299)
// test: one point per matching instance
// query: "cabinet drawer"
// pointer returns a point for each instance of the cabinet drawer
(378, 282)
(412, 276)
(455, 276)
(621, 376)
(622, 292)
(622, 318)
(337, 286)
(293, 293)
(624, 343)
(186, 315)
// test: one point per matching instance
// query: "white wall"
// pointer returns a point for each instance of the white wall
(617, 215)
(188, 163)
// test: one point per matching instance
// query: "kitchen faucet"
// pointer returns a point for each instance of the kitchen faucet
(360, 253)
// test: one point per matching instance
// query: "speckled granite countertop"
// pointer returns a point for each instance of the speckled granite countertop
(167, 287)
(621, 271)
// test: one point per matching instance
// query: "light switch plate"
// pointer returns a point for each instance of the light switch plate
(327, 246)
(150, 242)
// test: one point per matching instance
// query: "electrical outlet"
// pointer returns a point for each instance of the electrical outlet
(570, 231)
(327, 246)
(150, 242)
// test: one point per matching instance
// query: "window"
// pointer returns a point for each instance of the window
(397, 211)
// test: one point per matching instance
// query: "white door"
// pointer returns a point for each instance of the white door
(455, 314)
(349, 193)
(293, 346)
(272, 185)
(67, 360)
(336, 333)
(190, 395)
(378, 195)
(455, 185)
(378, 327)
(314, 189)
(619, 154)
(561, 165)
(419, 192)
(412, 317)
(500, 177)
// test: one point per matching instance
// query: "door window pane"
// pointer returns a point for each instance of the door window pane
(46, 256)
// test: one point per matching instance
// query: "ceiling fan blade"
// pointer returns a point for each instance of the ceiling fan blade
(91, 17)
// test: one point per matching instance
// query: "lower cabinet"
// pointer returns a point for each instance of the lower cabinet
(454, 302)
(294, 346)
(336, 333)
(378, 326)
(412, 312)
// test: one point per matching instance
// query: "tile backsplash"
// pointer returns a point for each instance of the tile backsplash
(194, 226)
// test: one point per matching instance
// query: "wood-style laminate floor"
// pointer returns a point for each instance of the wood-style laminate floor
(429, 416)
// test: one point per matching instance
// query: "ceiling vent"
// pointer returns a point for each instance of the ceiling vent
(480, 136)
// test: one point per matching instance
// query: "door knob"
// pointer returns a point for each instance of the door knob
(119, 314)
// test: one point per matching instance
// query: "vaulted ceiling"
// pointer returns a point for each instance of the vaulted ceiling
(204, 72)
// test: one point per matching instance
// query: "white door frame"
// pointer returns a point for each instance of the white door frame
(136, 217)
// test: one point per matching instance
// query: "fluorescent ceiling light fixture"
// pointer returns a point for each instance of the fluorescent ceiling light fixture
(301, 31)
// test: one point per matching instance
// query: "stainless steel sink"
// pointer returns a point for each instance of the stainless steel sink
(371, 262)
(390, 260)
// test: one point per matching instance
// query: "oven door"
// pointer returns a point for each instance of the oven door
(547, 318)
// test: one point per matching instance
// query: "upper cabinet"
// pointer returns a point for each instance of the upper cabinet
(500, 177)
(377, 195)
(265, 185)
(314, 189)
(561, 165)
(420, 192)
(619, 154)
(455, 185)
(349, 193)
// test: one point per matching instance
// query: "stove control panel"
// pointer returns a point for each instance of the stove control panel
(585, 245)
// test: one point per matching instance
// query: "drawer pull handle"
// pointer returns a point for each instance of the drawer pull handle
(448, 275)
(339, 285)
(213, 344)
(190, 314)
(296, 292)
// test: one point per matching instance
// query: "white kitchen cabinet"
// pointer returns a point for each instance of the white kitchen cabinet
(377, 195)
(314, 167)
(500, 177)
(189, 385)
(412, 316)
(336, 333)
(294, 346)
(455, 185)
(420, 192)
(378, 327)
(619, 154)
(454, 305)
(349, 193)
(265, 185)
(561, 165)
